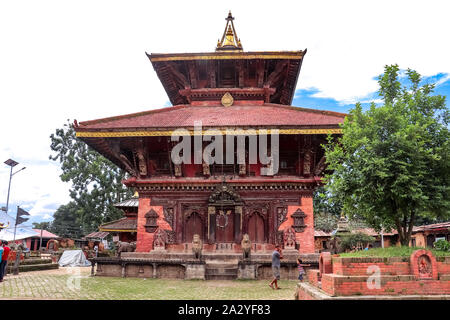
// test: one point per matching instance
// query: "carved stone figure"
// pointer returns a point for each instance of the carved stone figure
(197, 246)
(289, 239)
(424, 266)
(246, 246)
(160, 240)
(125, 247)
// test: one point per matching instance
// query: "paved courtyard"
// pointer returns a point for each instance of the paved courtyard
(76, 283)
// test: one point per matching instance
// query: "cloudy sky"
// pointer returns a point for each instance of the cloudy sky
(86, 59)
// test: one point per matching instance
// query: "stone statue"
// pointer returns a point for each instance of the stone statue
(289, 239)
(246, 246)
(160, 240)
(125, 247)
(197, 246)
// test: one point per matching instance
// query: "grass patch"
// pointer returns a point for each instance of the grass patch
(108, 288)
(391, 252)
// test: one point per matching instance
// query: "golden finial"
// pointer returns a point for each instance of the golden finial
(229, 41)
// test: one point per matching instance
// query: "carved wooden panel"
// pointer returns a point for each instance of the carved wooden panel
(169, 216)
(255, 228)
(281, 215)
(193, 225)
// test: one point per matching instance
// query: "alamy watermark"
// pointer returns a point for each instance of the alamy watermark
(214, 152)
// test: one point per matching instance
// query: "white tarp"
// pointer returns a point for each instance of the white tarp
(8, 233)
(73, 258)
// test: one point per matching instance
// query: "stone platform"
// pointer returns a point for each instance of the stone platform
(210, 266)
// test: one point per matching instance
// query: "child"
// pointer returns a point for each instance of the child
(301, 270)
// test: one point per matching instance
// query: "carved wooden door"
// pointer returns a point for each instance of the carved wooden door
(225, 225)
(194, 225)
(256, 228)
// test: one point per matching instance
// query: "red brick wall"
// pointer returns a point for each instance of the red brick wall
(305, 238)
(359, 266)
(389, 285)
(144, 238)
(443, 267)
(313, 276)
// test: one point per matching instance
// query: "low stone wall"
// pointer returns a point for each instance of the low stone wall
(307, 291)
(313, 276)
(359, 266)
(417, 275)
(184, 266)
(336, 285)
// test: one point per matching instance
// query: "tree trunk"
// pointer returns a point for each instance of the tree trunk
(405, 228)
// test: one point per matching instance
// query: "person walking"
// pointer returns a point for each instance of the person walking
(4, 262)
(276, 256)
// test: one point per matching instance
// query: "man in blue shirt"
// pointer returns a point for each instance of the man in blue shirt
(276, 256)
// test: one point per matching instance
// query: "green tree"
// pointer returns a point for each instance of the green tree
(391, 165)
(96, 181)
(66, 221)
(42, 225)
(326, 210)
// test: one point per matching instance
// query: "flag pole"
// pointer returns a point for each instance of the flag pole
(15, 226)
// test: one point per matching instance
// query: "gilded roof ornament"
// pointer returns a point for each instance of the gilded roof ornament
(229, 40)
(227, 100)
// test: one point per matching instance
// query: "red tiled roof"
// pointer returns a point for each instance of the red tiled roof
(367, 231)
(128, 224)
(434, 226)
(372, 232)
(97, 235)
(218, 116)
(320, 233)
(45, 234)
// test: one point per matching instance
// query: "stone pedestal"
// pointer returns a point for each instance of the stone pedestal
(195, 271)
(247, 271)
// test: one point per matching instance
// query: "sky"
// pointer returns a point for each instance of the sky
(85, 60)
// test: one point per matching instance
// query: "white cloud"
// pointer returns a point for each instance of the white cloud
(86, 60)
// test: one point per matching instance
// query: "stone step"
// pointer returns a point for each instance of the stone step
(34, 261)
(221, 277)
(221, 264)
(221, 271)
(33, 267)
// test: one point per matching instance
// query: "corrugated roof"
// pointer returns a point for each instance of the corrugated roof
(133, 202)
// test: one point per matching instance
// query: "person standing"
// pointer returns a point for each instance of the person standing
(276, 256)
(301, 270)
(4, 262)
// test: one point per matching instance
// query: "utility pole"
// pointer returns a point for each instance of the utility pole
(40, 242)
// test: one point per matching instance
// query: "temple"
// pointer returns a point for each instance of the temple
(244, 97)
